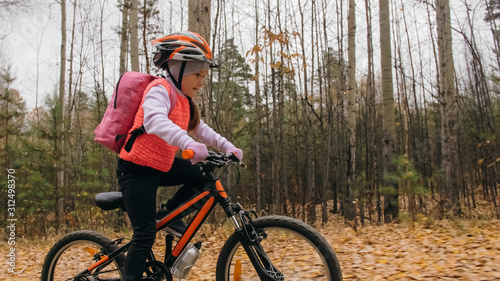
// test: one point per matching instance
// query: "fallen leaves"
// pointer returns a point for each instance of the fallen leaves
(387, 252)
(396, 252)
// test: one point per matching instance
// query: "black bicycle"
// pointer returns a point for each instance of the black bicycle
(261, 248)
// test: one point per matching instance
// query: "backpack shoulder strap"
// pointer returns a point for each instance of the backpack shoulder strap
(172, 94)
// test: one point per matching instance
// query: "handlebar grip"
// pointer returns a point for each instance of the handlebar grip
(188, 154)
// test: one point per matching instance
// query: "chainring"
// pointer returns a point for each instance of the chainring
(157, 271)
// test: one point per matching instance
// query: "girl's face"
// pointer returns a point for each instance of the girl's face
(193, 82)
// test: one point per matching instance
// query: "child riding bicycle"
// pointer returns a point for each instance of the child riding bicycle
(151, 161)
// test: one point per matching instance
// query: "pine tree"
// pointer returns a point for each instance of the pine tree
(230, 93)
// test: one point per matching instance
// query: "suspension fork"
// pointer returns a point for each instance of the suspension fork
(228, 209)
(248, 235)
(250, 240)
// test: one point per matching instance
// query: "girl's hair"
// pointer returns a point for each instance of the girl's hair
(194, 115)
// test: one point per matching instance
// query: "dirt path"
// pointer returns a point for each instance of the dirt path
(465, 251)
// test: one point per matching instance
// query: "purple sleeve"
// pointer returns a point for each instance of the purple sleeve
(156, 107)
(209, 137)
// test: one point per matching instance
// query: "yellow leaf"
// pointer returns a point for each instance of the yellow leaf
(480, 161)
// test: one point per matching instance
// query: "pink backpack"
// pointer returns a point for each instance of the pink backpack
(120, 113)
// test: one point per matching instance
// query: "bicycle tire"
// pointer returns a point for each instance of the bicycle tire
(75, 252)
(278, 245)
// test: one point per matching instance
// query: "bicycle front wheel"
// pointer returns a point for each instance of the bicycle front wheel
(78, 251)
(293, 251)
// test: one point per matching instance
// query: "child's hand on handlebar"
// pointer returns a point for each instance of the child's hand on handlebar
(217, 159)
(200, 151)
(238, 152)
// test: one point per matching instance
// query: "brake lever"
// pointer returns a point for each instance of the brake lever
(234, 158)
(211, 162)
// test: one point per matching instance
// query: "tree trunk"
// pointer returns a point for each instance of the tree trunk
(258, 171)
(59, 139)
(371, 148)
(349, 207)
(101, 55)
(134, 35)
(69, 154)
(326, 126)
(391, 204)
(124, 37)
(146, 16)
(450, 197)
(199, 22)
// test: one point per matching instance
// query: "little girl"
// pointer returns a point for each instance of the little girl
(151, 161)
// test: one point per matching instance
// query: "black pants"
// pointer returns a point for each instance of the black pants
(139, 185)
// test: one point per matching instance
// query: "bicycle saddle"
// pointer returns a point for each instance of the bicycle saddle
(109, 200)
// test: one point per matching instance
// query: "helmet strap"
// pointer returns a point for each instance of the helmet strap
(177, 83)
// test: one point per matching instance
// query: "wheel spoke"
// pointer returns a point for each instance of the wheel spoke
(287, 255)
(290, 250)
(75, 253)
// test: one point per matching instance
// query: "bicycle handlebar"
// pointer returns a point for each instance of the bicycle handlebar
(215, 158)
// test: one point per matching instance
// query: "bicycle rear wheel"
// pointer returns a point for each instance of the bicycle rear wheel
(76, 252)
(296, 250)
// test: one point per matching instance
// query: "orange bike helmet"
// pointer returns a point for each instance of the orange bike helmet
(183, 46)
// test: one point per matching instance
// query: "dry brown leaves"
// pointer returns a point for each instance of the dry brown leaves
(441, 251)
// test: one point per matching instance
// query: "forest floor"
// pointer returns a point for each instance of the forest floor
(429, 250)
